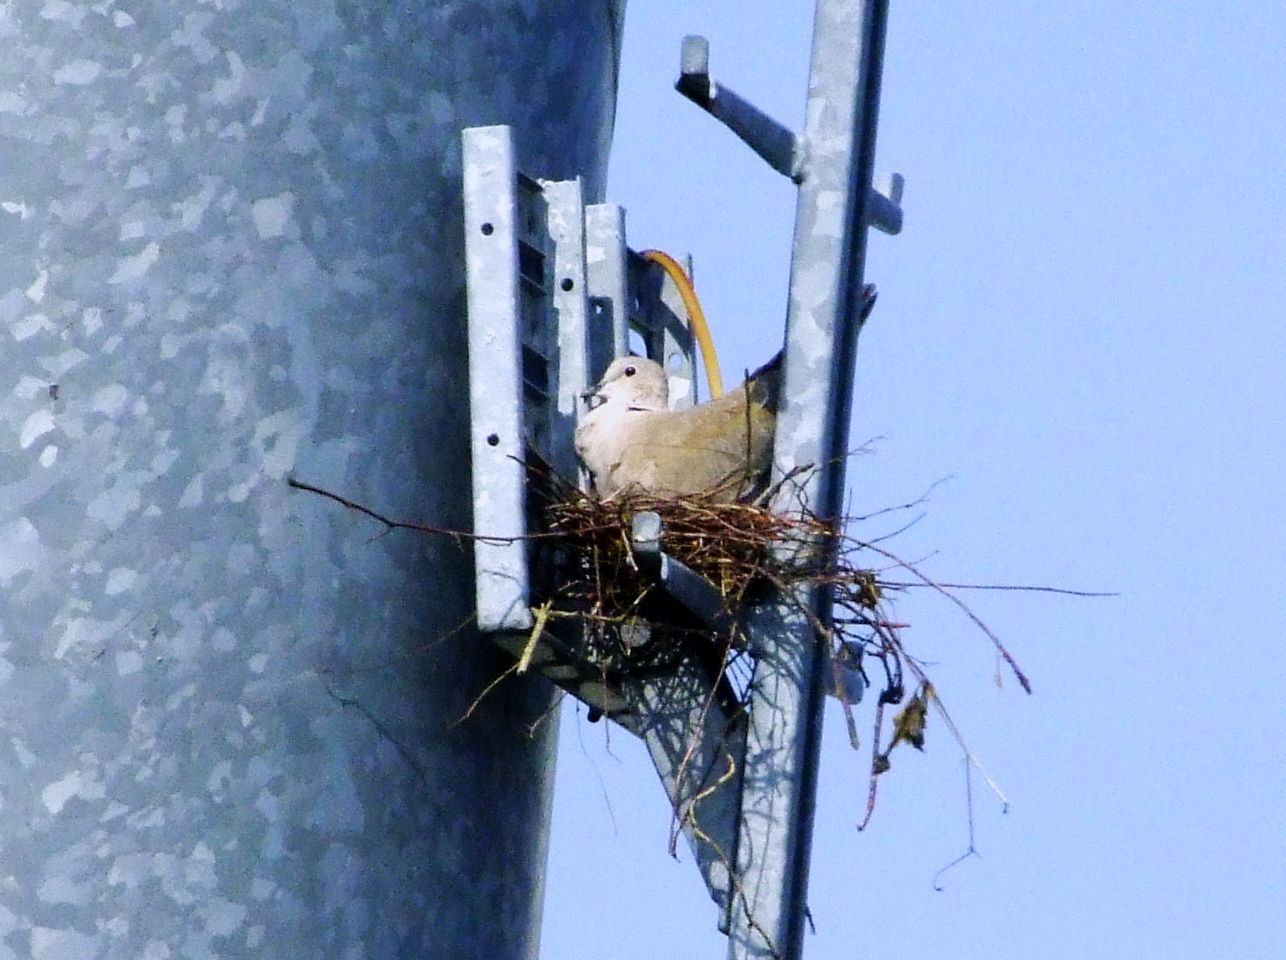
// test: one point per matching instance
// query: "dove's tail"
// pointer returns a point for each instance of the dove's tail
(771, 368)
(764, 385)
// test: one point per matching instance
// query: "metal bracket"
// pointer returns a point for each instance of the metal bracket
(528, 362)
(553, 294)
(529, 289)
(657, 316)
(784, 151)
(608, 276)
(508, 370)
(694, 726)
(539, 264)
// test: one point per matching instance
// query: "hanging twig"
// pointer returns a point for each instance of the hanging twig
(972, 851)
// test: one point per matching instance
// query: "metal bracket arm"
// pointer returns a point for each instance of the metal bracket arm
(884, 204)
(771, 140)
(785, 151)
(694, 592)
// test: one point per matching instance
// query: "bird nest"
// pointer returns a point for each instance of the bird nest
(751, 554)
(747, 552)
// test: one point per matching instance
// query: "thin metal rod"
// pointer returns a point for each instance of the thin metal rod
(764, 135)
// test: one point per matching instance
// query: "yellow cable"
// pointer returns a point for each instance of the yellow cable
(700, 330)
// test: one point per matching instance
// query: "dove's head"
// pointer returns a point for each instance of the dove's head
(631, 383)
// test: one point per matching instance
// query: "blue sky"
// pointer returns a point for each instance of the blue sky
(1081, 325)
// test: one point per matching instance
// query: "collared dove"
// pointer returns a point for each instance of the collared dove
(629, 439)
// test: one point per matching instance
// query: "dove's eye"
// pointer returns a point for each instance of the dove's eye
(630, 371)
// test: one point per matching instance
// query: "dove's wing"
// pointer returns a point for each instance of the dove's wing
(721, 450)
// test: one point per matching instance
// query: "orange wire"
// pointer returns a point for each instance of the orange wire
(696, 316)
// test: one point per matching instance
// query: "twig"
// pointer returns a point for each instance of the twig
(964, 608)
(972, 851)
(482, 696)
(873, 785)
(537, 628)
(456, 535)
(546, 714)
(910, 504)
(969, 756)
(1015, 587)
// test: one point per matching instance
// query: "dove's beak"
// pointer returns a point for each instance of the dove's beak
(593, 398)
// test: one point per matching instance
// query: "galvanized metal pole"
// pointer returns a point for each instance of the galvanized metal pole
(783, 741)
(231, 249)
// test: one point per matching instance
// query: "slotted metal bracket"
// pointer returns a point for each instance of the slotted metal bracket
(608, 274)
(499, 399)
(528, 357)
(528, 363)
(659, 320)
(632, 295)
(553, 294)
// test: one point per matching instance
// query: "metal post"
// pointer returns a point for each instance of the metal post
(231, 249)
(812, 429)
